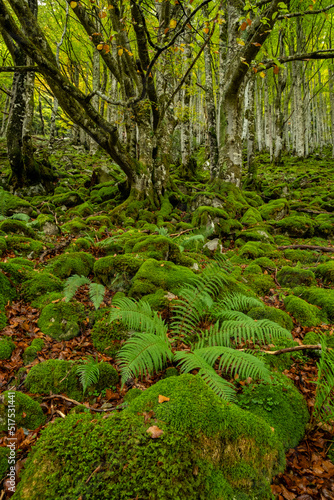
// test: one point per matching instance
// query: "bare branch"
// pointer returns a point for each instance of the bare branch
(305, 13)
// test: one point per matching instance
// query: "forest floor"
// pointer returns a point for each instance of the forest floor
(299, 192)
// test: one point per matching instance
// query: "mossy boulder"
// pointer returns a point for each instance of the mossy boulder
(74, 226)
(265, 263)
(28, 413)
(17, 227)
(31, 352)
(313, 338)
(25, 246)
(325, 272)
(251, 217)
(303, 312)
(205, 216)
(83, 210)
(320, 297)
(260, 283)
(253, 269)
(7, 346)
(108, 337)
(303, 256)
(294, 276)
(3, 317)
(4, 465)
(69, 199)
(3, 245)
(67, 264)
(256, 234)
(10, 204)
(297, 226)
(39, 284)
(279, 404)
(98, 220)
(272, 314)
(275, 209)
(255, 249)
(154, 274)
(17, 269)
(62, 320)
(80, 244)
(106, 268)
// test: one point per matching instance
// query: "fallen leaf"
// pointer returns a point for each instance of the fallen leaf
(162, 399)
(155, 431)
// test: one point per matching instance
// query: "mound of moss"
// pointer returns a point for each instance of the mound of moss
(260, 283)
(275, 209)
(67, 264)
(272, 314)
(325, 272)
(7, 289)
(297, 226)
(293, 276)
(62, 320)
(204, 449)
(4, 465)
(303, 312)
(17, 269)
(255, 249)
(7, 346)
(69, 199)
(17, 227)
(40, 284)
(127, 265)
(30, 353)
(108, 337)
(24, 245)
(28, 413)
(281, 405)
(321, 297)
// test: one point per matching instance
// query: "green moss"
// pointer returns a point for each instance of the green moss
(69, 199)
(17, 227)
(260, 283)
(158, 300)
(108, 377)
(321, 297)
(28, 413)
(7, 346)
(255, 249)
(253, 269)
(171, 372)
(4, 465)
(61, 321)
(83, 210)
(3, 317)
(205, 215)
(98, 220)
(293, 276)
(251, 217)
(265, 263)
(74, 226)
(67, 264)
(24, 245)
(3, 245)
(272, 314)
(132, 394)
(256, 234)
(106, 267)
(108, 338)
(325, 272)
(275, 209)
(30, 353)
(39, 284)
(252, 198)
(297, 226)
(305, 313)
(46, 299)
(79, 244)
(10, 204)
(155, 274)
(281, 406)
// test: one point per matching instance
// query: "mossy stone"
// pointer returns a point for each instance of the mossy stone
(132, 394)
(251, 217)
(31, 352)
(83, 210)
(108, 377)
(275, 209)
(106, 267)
(7, 346)
(206, 215)
(11, 204)
(255, 249)
(80, 244)
(279, 404)
(253, 269)
(321, 297)
(325, 272)
(3, 245)
(302, 256)
(272, 314)
(4, 465)
(62, 320)
(39, 284)
(74, 226)
(67, 264)
(260, 283)
(24, 245)
(69, 199)
(28, 413)
(17, 227)
(293, 276)
(46, 299)
(305, 313)
(159, 300)
(265, 263)
(98, 220)
(296, 226)
(108, 337)
(256, 234)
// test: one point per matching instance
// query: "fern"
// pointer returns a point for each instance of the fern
(89, 373)
(96, 294)
(72, 284)
(324, 399)
(23, 217)
(191, 242)
(239, 302)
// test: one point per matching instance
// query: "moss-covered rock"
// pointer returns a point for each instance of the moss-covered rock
(69, 199)
(281, 406)
(17, 269)
(132, 394)
(303, 256)
(265, 263)
(108, 337)
(3, 245)
(39, 284)
(67, 264)
(10, 204)
(17, 227)
(325, 272)
(83, 210)
(255, 249)
(260, 283)
(320, 297)
(207, 216)
(74, 226)
(251, 217)
(294, 276)
(127, 265)
(297, 226)
(4, 465)
(275, 209)
(25, 246)
(313, 338)
(253, 269)
(303, 312)
(108, 377)
(98, 220)
(30, 353)
(28, 413)
(155, 274)
(3, 317)
(256, 234)
(62, 320)
(80, 244)
(7, 346)
(272, 314)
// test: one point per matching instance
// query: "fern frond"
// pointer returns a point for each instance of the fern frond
(223, 262)
(89, 372)
(324, 400)
(96, 294)
(239, 302)
(189, 361)
(259, 332)
(72, 284)
(24, 217)
(230, 315)
(138, 316)
(143, 353)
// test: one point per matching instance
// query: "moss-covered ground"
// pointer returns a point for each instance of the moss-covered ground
(275, 244)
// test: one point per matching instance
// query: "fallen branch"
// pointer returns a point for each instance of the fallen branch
(182, 232)
(53, 396)
(307, 247)
(54, 250)
(292, 349)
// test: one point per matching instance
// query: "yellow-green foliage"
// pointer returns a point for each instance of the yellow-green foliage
(79, 244)
(273, 314)
(17, 269)
(305, 313)
(28, 413)
(74, 226)
(281, 406)
(7, 346)
(233, 454)
(293, 276)
(40, 284)
(251, 217)
(67, 264)
(61, 321)
(155, 274)
(260, 283)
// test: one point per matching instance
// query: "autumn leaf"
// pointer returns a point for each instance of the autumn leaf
(106, 48)
(243, 26)
(120, 52)
(73, 5)
(206, 30)
(249, 21)
(262, 74)
(172, 23)
(99, 46)
(102, 14)
(162, 399)
(276, 70)
(155, 432)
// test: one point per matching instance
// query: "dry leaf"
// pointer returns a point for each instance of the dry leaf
(162, 399)
(155, 431)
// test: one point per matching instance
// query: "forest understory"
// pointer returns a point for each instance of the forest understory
(70, 260)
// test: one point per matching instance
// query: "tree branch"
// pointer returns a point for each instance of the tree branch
(18, 69)
(318, 54)
(305, 13)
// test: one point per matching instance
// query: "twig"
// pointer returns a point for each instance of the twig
(77, 403)
(292, 349)
(182, 232)
(307, 247)
(92, 474)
